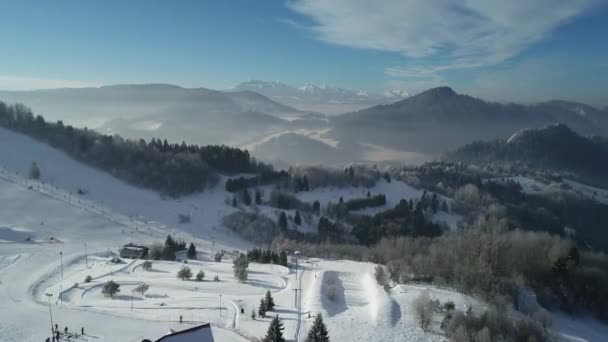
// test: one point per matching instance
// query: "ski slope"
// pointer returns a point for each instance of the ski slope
(44, 226)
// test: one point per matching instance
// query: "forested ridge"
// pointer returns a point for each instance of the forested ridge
(172, 169)
(555, 147)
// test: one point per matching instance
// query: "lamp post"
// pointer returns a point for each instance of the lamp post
(48, 297)
(132, 299)
(61, 258)
(219, 319)
(61, 284)
(86, 255)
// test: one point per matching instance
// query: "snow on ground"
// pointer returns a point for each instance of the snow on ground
(62, 176)
(579, 329)
(44, 227)
(29, 270)
(598, 194)
(362, 310)
(533, 186)
(394, 192)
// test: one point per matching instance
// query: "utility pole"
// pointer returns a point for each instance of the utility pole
(48, 297)
(298, 305)
(86, 255)
(218, 320)
(61, 284)
(61, 258)
(132, 299)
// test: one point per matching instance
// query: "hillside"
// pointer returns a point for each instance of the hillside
(170, 168)
(554, 147)
(437, 119)
(112, 213)
(197, 115)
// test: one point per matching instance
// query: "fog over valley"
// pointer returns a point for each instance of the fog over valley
(304, 171)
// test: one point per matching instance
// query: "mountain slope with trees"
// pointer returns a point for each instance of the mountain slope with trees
(172, 169)
(554, 147)
(439, 118)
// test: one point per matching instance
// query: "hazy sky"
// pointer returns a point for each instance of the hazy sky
(523, 50)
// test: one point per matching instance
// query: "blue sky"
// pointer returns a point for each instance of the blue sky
(518, 50)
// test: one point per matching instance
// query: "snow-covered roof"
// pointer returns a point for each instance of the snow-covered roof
(200, 333)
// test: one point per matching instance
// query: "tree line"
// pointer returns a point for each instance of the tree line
(406, 219)
(489, 260)
(267, 256)
(172, 169)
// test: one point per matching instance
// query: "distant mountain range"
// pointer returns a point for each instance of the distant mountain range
(197, 115)
(439, 119)
(553, 147)
(314, 97)
(425, 125)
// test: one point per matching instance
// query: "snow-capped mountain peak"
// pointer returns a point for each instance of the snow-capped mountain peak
(260, 84)
(323, 93)
(396, 94)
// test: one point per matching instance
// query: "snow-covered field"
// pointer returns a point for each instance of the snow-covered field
(45, 229)
(533, 186)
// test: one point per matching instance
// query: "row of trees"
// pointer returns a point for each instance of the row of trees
(267, 176)
(403, 220)
(266, 304)
(267, 256)
(490, 260)
(168, 250)
(317, 333)
(241, 267)
(172, 169)
(185, 273)
(369, 201)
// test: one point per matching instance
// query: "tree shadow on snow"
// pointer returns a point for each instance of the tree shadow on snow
(126, 297)
(154, 270)
(154, 295)
(263, 284)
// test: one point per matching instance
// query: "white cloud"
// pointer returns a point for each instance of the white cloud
(542, 79)
(438, 35)
(8, 82)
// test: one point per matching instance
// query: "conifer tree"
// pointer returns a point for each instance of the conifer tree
(283, 258)
(316, 207)
(170, 242)
(318, 331)
(191, 254)
(262, 308)
(297, 219)
(269, 301)
(282, 221)
(258, 197)
(246, 197)
(34, 171)
(241, 268)
(275, 331)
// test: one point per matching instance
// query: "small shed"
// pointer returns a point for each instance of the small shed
(132, 251)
